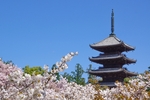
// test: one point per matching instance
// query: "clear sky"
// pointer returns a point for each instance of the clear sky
(38, 32)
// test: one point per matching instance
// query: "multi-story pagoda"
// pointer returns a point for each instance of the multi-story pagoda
(112, 59)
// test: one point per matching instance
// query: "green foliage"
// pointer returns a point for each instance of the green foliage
(36, 70)
(148, 89)
(90, 77)
(126, 80)
(9, 62)
(90, 68)
(149, 68)
(68, 77)
(76, 76)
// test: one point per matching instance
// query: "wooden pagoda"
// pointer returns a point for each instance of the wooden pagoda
(112, 59)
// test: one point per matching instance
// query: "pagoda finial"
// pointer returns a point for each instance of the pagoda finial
(112, 24)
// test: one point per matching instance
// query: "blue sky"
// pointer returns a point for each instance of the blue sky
(38, 32)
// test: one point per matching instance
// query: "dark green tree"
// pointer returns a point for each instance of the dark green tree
(149, 68)
(68, 77)
(57, 74)
(77, 75)
(91, 78)
(9, 62)
(87, 71)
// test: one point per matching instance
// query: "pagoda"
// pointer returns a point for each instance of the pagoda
(112, 59)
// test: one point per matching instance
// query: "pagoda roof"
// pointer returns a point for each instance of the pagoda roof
(111, 58)
(104, 71)
(111, 42)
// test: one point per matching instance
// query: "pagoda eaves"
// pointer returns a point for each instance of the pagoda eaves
(112, 59)
(104, 71)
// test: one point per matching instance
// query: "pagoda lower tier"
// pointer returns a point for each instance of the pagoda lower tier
(112, 59)
(111, 75)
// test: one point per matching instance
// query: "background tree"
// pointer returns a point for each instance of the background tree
(8, 62)
(95, 81)
(90, 77)
(149, 68)
(77, 75)
(126, 80)
(36, 70)
(68, 77)
(57, 74)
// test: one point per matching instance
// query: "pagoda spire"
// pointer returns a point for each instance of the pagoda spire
(112, 24)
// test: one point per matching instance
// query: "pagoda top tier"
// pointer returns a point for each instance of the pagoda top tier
(111, 43)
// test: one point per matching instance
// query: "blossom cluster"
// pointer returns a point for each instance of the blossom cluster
(136, 89)
(16, 85)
